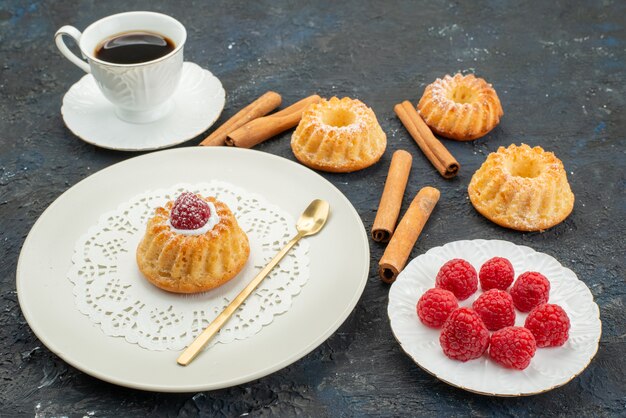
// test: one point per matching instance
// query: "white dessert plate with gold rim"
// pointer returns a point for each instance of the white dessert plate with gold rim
(549, 368)
(337, 278)
(198, 102)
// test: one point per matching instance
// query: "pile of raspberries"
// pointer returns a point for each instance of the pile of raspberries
(465, 331)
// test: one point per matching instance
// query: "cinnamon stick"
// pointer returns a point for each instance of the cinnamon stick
(260, 107)
(261, 129)
(432, 148)
(391, 200)
(399, 248)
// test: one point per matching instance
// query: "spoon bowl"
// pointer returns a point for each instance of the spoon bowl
(313, 218)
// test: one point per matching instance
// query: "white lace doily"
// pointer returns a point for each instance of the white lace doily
(110, 289)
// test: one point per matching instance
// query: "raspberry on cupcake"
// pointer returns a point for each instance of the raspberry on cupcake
(189, 212)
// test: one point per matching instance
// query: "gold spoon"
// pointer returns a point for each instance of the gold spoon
(311, 221)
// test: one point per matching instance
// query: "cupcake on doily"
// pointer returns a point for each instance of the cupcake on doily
(192, 245)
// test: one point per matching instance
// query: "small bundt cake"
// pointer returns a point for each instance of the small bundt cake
(522, 188)
(338, 136)
(192, 245)
(460, 107)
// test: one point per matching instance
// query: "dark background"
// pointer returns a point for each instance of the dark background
(559, 69)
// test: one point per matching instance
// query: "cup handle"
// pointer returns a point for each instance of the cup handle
(74, 33)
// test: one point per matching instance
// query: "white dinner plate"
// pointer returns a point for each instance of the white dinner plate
(549, 368)
(339, 269)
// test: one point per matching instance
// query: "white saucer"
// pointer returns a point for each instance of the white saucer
(198, 102)
(549, 368)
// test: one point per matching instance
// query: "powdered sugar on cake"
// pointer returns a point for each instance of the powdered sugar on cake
(338, 135)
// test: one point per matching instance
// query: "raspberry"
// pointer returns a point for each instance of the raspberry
(496, 273)
(495, 308)
(189, 212)
(464, 336)
(549, 324)
(529, 290)
(459, 277)
(435, 306)
(512, 347)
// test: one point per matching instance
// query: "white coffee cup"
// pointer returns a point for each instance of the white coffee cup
(141, 92)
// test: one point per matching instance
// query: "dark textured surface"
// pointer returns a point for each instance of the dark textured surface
(559, 69)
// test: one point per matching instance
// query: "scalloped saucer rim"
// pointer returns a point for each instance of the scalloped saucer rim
(198, 103)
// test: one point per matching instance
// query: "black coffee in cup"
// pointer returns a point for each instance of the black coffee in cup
(134, 47)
